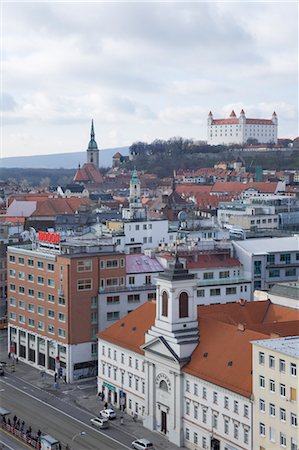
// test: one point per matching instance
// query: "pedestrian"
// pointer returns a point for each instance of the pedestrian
(3, 419)
(17, 359)
(18, 424)
(64, 378)
(59, 446)
(9, 355)
(106, 405)
(9, 422)
(15, 420)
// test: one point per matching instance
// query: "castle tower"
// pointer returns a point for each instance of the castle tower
(93, 151)
(176, 311)
(135, 191)
(210, 118)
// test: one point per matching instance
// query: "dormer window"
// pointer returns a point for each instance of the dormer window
(164, 304)
(183, 305)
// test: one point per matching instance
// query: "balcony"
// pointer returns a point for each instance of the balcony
(132, 288)
(223, 281)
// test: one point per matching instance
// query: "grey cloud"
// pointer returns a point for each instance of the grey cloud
(7, 102)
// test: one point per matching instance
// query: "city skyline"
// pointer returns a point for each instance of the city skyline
(142, 71)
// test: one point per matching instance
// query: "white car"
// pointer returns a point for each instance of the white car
(142, 444)
(99, 422)
(107, 413)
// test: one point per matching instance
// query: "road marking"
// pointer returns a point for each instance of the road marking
(68, 415)
(1, 390)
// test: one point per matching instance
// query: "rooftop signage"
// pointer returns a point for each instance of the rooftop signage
(51, 238)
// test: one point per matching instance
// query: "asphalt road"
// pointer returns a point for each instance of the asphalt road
(44, 414)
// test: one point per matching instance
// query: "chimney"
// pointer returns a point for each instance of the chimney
(274, 335)
(241, 327)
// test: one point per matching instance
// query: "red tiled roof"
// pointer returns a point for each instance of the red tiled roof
(88, 173)
(12, 219)
(54, 206)
(211, 261)
(227, 350)
(117, 155)
(238, 186)
(225, 121)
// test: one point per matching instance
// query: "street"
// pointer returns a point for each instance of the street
(41, 415)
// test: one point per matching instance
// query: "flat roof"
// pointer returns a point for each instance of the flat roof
(268, 245)
(286, 345)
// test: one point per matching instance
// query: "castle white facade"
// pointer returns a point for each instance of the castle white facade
(237, 130)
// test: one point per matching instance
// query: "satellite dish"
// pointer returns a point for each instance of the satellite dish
(182, 216)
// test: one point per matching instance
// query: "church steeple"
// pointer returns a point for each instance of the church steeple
(176, 310)
(93, 151)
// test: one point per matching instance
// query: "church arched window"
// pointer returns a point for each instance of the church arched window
(183, 305)
(164, 304)
(163, 385)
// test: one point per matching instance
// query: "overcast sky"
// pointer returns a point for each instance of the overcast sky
(142, 70)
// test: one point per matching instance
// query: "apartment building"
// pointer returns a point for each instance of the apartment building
(220, 277)
(115, 302)
(270, 260)
(275, 391)
(53, 301)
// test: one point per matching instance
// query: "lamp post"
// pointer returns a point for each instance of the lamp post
(81, 433)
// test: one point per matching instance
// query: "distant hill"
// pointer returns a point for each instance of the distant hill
(60, 160)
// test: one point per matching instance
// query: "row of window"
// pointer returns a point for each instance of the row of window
(131, 298)
(282, 412)
(30, 263)
(134, 382)
(40, 310)
(274, 273)
(282, 257)
(40, 325)
(272, 437)
(236, 432)
(112, 263)
(128, 361)
(281, 363)
(217, 291)
(282, 388)
(144, 226)
(221, 275)
(21, 289)
(259, 221)
(215, 399)
(40, 296)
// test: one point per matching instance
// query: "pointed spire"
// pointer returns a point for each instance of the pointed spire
(210, 113)
(242, 112)
(232, 114)
(274, 113)
(92, 143)
(92, 131)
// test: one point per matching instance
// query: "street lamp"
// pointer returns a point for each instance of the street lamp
(81, 433)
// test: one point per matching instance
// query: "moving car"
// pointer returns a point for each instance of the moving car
(142, 444)
(107, 413)
(99, 422)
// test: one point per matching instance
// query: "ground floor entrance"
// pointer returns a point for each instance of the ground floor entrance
(163, 422)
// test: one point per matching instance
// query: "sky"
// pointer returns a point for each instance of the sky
(142, 70)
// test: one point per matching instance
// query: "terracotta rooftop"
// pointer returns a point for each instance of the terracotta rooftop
(238, 186)
(88, 173)
(223, 355)
(54, 206)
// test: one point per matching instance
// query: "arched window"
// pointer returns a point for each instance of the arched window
(163, 385)
(183, 305)
(164, 304)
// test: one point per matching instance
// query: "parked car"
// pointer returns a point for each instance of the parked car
(142, 444)
(108, 413)
(99, 422)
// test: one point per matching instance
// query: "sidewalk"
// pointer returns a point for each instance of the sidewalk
(84, 395)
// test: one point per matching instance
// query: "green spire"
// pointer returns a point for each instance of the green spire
(92, 143)
(135, 178)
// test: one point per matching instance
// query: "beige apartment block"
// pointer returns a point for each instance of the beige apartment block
(275, 393)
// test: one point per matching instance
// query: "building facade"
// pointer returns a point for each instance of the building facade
(53, 302)
(238, 130)
(269, 261)
(275, 391)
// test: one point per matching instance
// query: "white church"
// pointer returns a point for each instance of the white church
(237, 130)
(173, 368)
